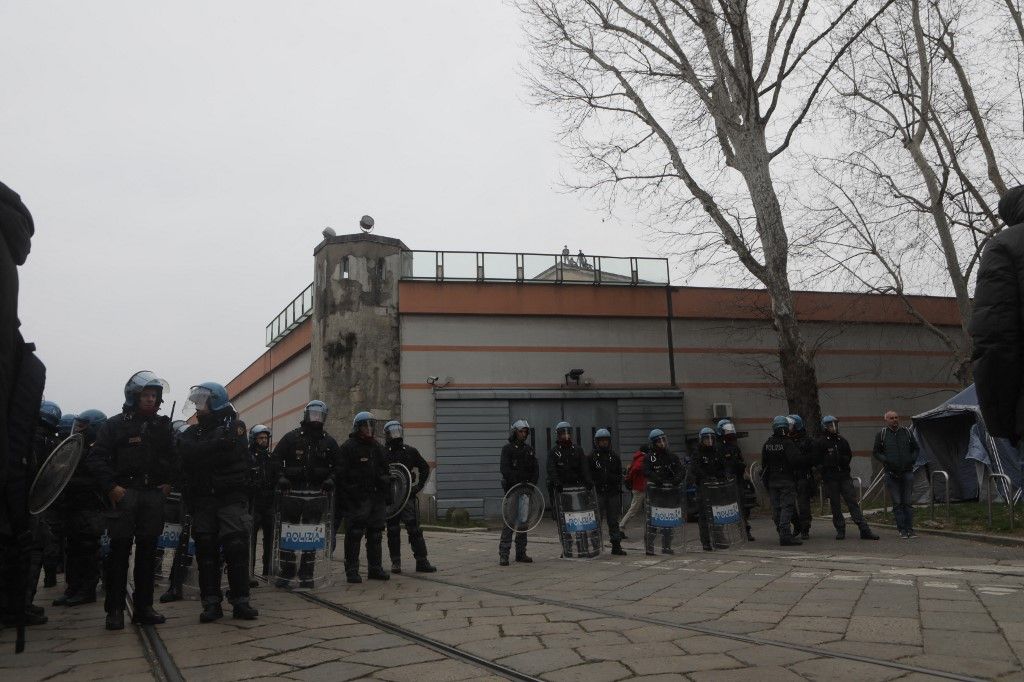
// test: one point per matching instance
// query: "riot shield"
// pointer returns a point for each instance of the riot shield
(522, 508)
(722, 506)
(55, 473)
(578, 529)
(303, 528)
(401, 487)
(663, 510)
(176, 553)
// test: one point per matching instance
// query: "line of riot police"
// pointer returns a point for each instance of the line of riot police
(194, 498)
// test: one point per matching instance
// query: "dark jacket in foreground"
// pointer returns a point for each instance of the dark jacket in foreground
(518, 464)
(398, 452)
(306, 457)
(215, 458)
(997, 324)
(134, 451)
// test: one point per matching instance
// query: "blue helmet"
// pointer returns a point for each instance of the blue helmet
(602, 433)
(563, 426)
(720, 426)
(209, 394)
(393, 430)
(141, 381)
(798, 422)
(315, 412)
(89, 421)
(359, 419)
(66, 423)
(49, 413)
(257, 430)
(707, 432)
(655, 434)
(780, 425)
(827, 420)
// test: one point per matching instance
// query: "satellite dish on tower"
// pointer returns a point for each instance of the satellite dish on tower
(366, 224)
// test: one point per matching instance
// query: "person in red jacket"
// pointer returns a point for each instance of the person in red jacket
(637, 483)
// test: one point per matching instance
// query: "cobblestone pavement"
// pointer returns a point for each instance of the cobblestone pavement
(850, 610)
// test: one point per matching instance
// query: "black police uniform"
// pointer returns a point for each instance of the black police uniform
(778, 458)
(518, 465)
(606, 473)
(568, 467)
(806, 487)
(307, 458)
(364, 480)
(397, 452)
(263, 477)
(732, 456)
(706, 465)
(835, 454)
(662, 468)
(79, 510)
(137, 453)
(215, 462)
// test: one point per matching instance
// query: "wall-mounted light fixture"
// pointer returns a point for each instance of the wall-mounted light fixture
(574, 376)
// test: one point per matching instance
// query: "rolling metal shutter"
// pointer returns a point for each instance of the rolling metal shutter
(637, 416)
(469, 437)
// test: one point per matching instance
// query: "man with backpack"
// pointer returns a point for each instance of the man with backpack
(635, 482)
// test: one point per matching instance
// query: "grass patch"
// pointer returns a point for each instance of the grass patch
(968, 517)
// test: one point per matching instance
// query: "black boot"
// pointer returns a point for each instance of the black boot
(84, 597)
(352, 575)
(424, 566)
(211, 611)
(866, 533)
(840, 533)
(805, 535)
(49, 576)
(789, 541)
(617, 549)
(750, 538)
(523, 558)
(503, 560)
(147, 616)
(170, 595)
(243, 611)
(115, 620)
(396, 563)
(377, 573)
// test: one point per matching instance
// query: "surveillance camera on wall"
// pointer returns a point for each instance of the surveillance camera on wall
(329, 232)
(366, 223)
(432, 380)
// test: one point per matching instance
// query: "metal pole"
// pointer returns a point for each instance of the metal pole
(988, 488)
(1008, 496)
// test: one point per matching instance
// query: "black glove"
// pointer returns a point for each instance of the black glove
(283, 483)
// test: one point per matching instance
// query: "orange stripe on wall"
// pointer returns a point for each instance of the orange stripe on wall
(569, 300)
(291, 345)
(738, 384)
(441, 348)
(280, 390)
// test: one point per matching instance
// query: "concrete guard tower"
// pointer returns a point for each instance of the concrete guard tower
(355, 344)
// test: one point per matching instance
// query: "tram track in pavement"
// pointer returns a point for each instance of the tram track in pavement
(414, 637)
(160, 660)
(702, 629)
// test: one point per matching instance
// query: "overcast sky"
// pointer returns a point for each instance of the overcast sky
(180, 160)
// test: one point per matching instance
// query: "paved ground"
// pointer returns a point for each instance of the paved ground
(829, 610)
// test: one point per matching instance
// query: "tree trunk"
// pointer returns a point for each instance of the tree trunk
(799, 376)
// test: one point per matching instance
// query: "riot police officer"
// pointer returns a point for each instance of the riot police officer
(215, 461)
(778, 459)
(49, 434)
(80, 509)
(518, 465)
(706, 465)
(567, 463)
(834, 453)
(263, 479)
(307, 458)
(135, 464)
(363, 476)
(606, 472)
(397, 452)
(803, 474)
(662, 467)
(732, 456)
(176, 512)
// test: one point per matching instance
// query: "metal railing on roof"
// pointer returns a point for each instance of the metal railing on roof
(294, 314)
(490, 266)
(486, 266)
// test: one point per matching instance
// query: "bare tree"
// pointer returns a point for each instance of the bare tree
(910, 207)
(685, 107)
